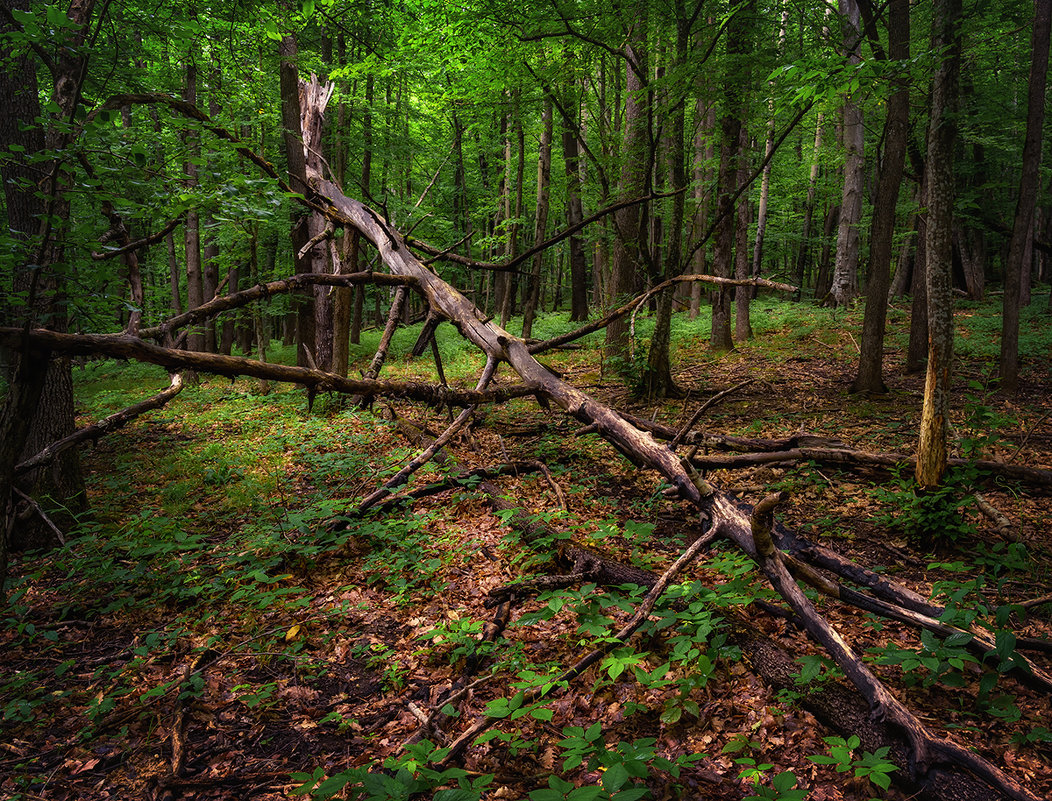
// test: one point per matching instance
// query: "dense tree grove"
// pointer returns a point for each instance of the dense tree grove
(537, 155)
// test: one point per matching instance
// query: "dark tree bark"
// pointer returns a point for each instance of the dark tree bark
(931, 449)
(802, 255)
(510, 287)
(632, 184)
(738, 51)
(195, 292)
(544, 174)
(882, 228)
(743, 218)
(39, 405)
(917, 351)
(292, 140)
(657, 380)
(574, 215)
(1017, 266)
(844, 286)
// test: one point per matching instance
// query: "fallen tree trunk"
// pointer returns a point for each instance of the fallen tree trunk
(643, 450)
(125, 347)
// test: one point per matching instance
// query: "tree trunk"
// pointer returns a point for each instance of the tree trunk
(292, 140)
(738, 53)
(574, 215)
(882, 228)
(511, 284)
(822, 279)
(804, 251)
(544, 173)
(38, 409)
(935, 416)
(703, 155)
(633, 183)
(765, 182)
(195, 291)
(844, 286)
(917, 352)
(658, 381)
(1017, 264)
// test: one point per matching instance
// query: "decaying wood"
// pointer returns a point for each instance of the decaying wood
(622, 637)
(750, 530)
(458, 481)
(685, 430)
(641, 448)
(847, 457)
(263, 291)
(125, 347)
(417, 462)
(104, 426)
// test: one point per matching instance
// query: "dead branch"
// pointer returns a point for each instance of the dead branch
(104, 426)
(642, 449)
(702, 409)
(419, 461)
(263, 291)
(993, 514)
(428, 453)
(124, 347)
(140, 243)
(847, 457)
(560, 683)
(458, 481)
(630, 306)
(42, 515)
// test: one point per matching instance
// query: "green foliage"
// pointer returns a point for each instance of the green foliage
(874, 766)
(930, 518)
(400, 777)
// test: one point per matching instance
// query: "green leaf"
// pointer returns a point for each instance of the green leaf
(614, 778)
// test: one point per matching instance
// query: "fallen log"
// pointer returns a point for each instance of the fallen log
(642, 449)
(126, 347)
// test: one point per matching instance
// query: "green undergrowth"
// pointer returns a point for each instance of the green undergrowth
(211, 542)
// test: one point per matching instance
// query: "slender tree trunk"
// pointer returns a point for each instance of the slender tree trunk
(882, 229)
(802, 256)
(765, 183)
(935, 416)
(742, 295)
(195, 291)
(511, 288)
(38, 407)
(738, 51)
(825, 261)
(845, 273)
(544, 174)
(1017, 266)
(917, 352)
(574, 215)
(658, 381)
(703, 156)
(292, 139)
(632, 184)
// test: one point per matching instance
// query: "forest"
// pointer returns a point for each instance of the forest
(559, 399)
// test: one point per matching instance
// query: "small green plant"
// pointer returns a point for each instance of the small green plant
(781, 789)
(400, 777)
(930, 519)
(874, 766)
(623, 767)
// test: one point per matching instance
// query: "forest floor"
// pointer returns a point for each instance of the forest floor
(205, 635)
